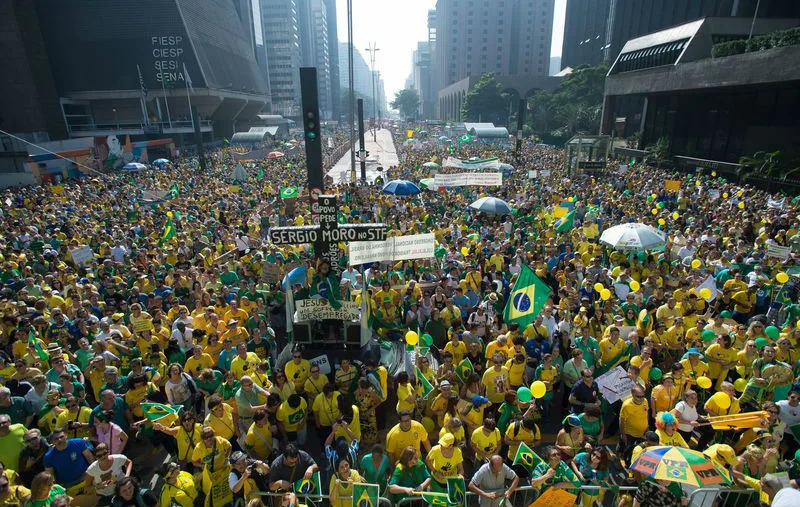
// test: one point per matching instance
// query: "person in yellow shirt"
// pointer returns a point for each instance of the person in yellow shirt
(406, 433)
(721, 357)
(664, 396)
(213, 451)
(221, 418)
(667, 430)
(516, 371)
(521, 431)
(499, 346)
(744, 302)
(234, 312)
(235, 333)
(444, 461)
(341, 485)
(633, 419)
(496, 380)
(258, 441)
(645, 362)
(456, 347)
(178, 489)
(291, 416)
(186, 434)
(298, 370)
(693, 367)
(245, 363)
(325, 408)
(406, 395)
(486, 440)
(612, 349)
(198, 362)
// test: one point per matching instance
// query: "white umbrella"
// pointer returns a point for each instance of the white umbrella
(633, 236)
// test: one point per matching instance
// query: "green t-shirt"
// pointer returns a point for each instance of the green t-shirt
(408, 478)
(55, 491)
(591, 428)
(212, 386)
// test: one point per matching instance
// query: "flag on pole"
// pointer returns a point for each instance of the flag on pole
(565, 223)
(169, 232)
(186, 76)
(456, 491)
(309, 487)
(142, 86)
(526, 458)
(289, 192)
(37, 346)
(365, 495)
(260, 174)
(424, 383)
(464, 369)
(173, 191)
(158, 412)
(464, 139)
(527, 299)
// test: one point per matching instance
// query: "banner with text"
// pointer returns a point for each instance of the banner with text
(781, 252)
(487, 163)
(468, 180)
(82, 255)
(615, 384)
(398, 248)
(320, 309)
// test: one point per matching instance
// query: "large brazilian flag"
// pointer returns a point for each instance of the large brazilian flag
(527, 298)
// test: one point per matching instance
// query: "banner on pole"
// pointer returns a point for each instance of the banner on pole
(781, 252)
(398, 248)
(319, 309)
(486, 163)
(82, 255)
(468, 180)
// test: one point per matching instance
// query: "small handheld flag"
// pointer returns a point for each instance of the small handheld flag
(464, 369)
(424, 383)
(456, 491)
(526, 458)
(309, 487)
(365, 495)
(158, 412)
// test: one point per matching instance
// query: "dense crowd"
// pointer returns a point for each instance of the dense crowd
(170, 336)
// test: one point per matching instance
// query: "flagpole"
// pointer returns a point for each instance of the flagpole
(142, 96)
(166, 102)
(188, 82)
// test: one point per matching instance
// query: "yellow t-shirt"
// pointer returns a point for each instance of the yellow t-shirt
(693, 372)
(634, 417)
(458, 351)
(241, 367)
(664, 401)
(223, 426)
(676, 439)
(516, 431)
(82, 416)
(397, 439)
(443, 466)
(716, 351)
(327, 408)
(403, 392)
(298, 373)
(644, 371)
(204, 455)
(194, 366)
(516, 372)
(610, 350)
(182, 493)
(355, 427)
(187, 441)
(289, 417)
(496, 382)
(314, 386)
(485, 444)
(259, 440)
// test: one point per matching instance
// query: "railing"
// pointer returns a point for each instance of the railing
(525, 495)
(122, 126)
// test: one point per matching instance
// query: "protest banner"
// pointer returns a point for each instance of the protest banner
(710, 284)
(615, 384)
(487, 163)
(672, 185)
(713, 194)
(397, 248)
(468, 179)
(323, 363)
(82, 255)
(319, 309)
(781, 252)
(555, 497)
(776, 203)
(532, 175)
(272, 272)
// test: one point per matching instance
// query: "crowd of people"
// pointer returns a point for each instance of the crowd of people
(171, 335)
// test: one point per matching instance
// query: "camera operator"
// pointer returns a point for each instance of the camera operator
(247, 476)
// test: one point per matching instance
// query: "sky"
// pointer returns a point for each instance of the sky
(397, 27)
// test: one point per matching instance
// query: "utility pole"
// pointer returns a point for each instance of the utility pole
(351, 80)
(372, 49)
(362, 152)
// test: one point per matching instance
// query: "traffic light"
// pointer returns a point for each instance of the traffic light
(311, 124)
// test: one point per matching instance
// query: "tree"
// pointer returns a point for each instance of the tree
(345, 102)
(485, 102)
(407, 102)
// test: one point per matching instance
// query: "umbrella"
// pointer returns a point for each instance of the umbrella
(633, 236)
(297, 275)
(444, 139)
(275, 154)
(134, 166)
(401, 187)
(677, 464)
(506, 168)
(431, 165)
(491, 205)
(160, 161)
(426, 182)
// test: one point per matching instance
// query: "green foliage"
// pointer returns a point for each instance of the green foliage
(574, 107)
(658, 153)
(781, 38)
(407, 102)
(485, 102)
(762, 163)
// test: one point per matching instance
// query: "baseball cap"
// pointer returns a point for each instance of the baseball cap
(447, 440)
(723, 453)
(479, 400)
(444, 383)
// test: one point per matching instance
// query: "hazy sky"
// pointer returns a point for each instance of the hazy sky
(396, 27)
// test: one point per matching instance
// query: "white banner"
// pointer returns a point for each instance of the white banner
(776, 203)
(781, 252)
(398, 248)
(489, 163)
(710, 284)
(322, 361)
(532, 174)
(468, 179)
(320, 309)
(82, 255)
(615, 384)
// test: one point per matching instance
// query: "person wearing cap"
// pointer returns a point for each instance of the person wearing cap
(179, 486)
(766, 487)
(244, 476)
(235, 332)
(406, 433)
(444, 460)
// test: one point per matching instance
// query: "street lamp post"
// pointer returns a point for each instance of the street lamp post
(373, 48)
(351, 81)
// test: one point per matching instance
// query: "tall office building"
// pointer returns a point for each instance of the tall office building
(421, 80)
(249, 12)
(596, 30)
(473, 37)
(321, 54)
(362, 78)
(281, 27)
(333, 57)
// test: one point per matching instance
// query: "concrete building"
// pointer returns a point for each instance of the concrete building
(82, 68)
(421, 80)
(362, 78)
(318, 40)
(333, 57)
(596, 30)
(280, 23)
(667, 85)
(475, 37)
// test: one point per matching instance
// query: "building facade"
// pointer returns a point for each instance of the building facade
(280, 21)
(596, 30)
(362, 77)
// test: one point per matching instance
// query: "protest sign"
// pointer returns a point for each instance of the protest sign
(555, 497)
(487, 163)
(323, 363)
(709, 284)
(672, 185)
(615, 384)
(776, 203)
(621, 290)
(272, 272)
(82, 255)
(468, 179)
(713, 194)
(320, 309)
(397, 248)
(532, 175)
(781, 252)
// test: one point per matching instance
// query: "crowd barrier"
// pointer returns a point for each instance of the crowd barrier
(526, 495)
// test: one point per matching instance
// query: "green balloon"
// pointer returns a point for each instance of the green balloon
(707, 335)
(524, 394)
(773, 332)
(761, 342)
(656, 374)
(660, 205)
(427, 339)
(726, 314)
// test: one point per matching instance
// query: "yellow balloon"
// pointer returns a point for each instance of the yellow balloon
(538, 389)
(661, 221)
(725, 195)
(722, 400)
(782, 277)
(697, 183)
(598, 287)
(705, 293)
(465, 251)
(634, 285)
(412, 338)
(675, 216)
(740, 205)
(696, 263)
(714, 174)
(169, 213)
(740, 193)
(740, 384)
(653, 196)
(654, 211)
(605, 294)
(704, 382)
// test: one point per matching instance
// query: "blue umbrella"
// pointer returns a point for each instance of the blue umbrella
(444, 139)
(491, 205)
(160, 161)
(401, 187)
(297, 275)
(134, 166)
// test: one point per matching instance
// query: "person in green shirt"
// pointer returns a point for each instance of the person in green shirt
(209, 381)
(409, 475)
(375, 466)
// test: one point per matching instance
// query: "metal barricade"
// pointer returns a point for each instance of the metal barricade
(312, 500)
(722, 497)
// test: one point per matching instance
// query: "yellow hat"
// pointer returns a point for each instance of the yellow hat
(447, 440)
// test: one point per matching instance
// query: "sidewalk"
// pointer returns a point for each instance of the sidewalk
(381, 153)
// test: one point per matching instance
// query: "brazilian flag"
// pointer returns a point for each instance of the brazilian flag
(426, 385)
(37, 346)
(260, 174)
(289, 192)
(173, 191)
(169, 232)
(464, 139)
(436, 499)
(565, 223)
(365, 495)
(158, 412)
(309, 487)
(456, 491)
(464, 369)
(527, 299)
(526, 458)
